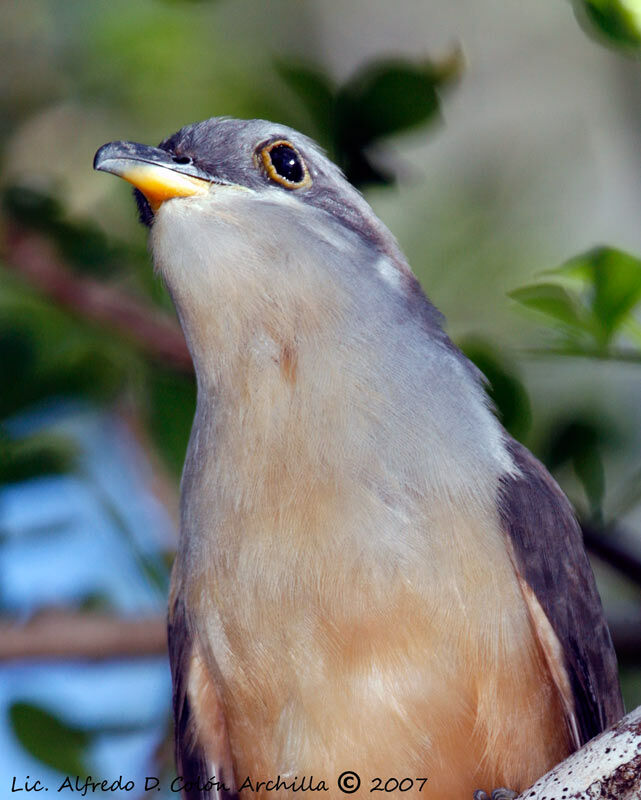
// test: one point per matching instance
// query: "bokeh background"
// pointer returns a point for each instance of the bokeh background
(500, 142)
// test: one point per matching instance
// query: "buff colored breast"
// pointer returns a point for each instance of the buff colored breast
(334, 662)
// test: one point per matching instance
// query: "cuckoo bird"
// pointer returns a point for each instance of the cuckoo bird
(372, 575)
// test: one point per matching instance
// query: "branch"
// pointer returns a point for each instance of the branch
(610, 549)
(35, 258)
(83, 636)
(608, 767)
(626, 356)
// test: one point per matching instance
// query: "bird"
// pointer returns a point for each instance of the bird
(376, 588)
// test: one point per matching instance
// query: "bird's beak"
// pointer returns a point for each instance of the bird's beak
(159, 175)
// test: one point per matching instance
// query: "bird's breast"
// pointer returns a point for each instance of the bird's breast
(398, 652)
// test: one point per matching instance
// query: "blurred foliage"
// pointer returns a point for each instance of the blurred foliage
(83, 245)
(631, 686)
(48, 353)
(381, 99)
(616, 21)
(49, 739)
(33, 456)
(58, 743)
(172, 400)
(579, 442)
(590, 306)
(592, 299)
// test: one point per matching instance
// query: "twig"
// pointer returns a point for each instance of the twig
(35, 258)
(626, 356)
(606, 544)
(64, 635)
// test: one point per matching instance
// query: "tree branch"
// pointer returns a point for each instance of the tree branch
(35, 258)
(606, 544)
(608, 767)
(64, 635)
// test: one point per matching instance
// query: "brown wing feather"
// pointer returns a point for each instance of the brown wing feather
(552, 563)
(200, 752)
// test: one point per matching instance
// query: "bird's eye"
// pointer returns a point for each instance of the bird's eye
(284, 165)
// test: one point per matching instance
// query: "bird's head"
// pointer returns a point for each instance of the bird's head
(256, 231)
(222, 155)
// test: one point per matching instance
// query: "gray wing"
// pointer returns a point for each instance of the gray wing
(193, 763)
(550, 557)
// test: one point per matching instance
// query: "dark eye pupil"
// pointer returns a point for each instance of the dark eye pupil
(287, 163)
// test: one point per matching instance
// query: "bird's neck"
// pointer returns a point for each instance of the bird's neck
(310, 434)
(323, 395)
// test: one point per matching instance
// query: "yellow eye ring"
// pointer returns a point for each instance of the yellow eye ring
(285, 165)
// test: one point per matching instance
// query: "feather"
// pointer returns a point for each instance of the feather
(561, 595)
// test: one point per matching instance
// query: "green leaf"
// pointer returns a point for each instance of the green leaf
(18, 358)
(49, 739)
(553, 300)
(617, 283)
(34, 456)
(579, 442)
(618, 21)
(31, 207)
(611, 283)
(386, 98)
(316, 91)
(382, 99)
(632, 329)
